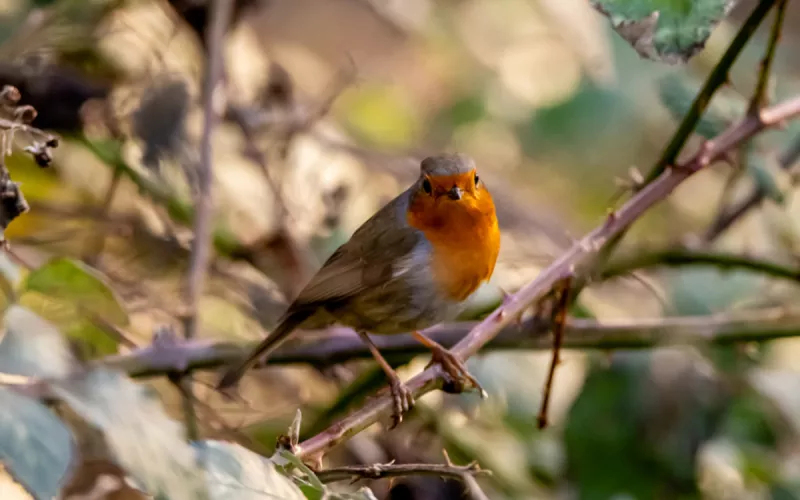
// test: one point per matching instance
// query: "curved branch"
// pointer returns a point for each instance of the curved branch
(580, 254)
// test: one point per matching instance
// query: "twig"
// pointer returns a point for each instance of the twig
(758, 100)
(380, 471)
(559, 321)
(726, 219)
(220, 13)
(717, 78)
(579, 254)
(760, 95)
(641, 259)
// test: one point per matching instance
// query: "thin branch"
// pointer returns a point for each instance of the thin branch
(381, 471)
(580, 254)
(637, 260)
(760, 95)
(716, 79)
(726, 219)
(220, 13)
(759, 99)
(559, 321)
(340, 345)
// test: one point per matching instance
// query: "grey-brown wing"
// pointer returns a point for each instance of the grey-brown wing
(364, 261)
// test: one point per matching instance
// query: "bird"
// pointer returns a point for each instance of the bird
(412, 265)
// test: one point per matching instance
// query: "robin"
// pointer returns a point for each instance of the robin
(411, 265)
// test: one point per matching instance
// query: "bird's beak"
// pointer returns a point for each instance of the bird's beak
(455, 193)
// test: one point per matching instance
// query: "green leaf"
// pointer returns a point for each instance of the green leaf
(381, 115)
(634, 432)
(700, 291)
(677, 93)
(670, 31)
(89, 338)
(35, 447)
(146, 442)
(235, 473)
(601, 444)
(309, 483)
(73, 281)
(33, 347)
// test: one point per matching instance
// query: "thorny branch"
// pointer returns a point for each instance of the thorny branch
(381, 471)
(728, 217)
(201, 244)
(716, 79)
(578, 255)
(339, 345)
(759, 99)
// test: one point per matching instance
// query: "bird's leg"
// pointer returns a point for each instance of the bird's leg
(403, 398)
(451, 365)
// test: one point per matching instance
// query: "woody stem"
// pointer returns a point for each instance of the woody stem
(580, 254)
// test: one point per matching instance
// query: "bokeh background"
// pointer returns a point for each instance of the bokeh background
(339, 101)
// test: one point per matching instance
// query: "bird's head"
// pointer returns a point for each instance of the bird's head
(449, 178)
(448, 191)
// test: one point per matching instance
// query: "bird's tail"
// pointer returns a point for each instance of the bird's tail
(275, 338)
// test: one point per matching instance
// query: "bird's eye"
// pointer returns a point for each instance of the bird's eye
(477, 179)
(426, 186)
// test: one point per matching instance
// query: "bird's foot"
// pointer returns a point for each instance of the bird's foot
(458, 377)
(402, 399)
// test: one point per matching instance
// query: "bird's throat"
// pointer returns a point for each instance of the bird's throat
(465, 239)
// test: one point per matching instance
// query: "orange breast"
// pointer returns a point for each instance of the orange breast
(465, 238)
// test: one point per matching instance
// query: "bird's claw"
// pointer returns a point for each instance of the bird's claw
(402, 399)
(458, 377)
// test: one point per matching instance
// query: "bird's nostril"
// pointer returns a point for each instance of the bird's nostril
(454, 193)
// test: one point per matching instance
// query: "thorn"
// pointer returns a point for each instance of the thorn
(294, 429)
(447, 460)
(636, 177)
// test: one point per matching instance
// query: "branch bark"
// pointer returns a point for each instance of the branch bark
(221, 12)
(380, 471)
(580, 254)
(339, 345)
